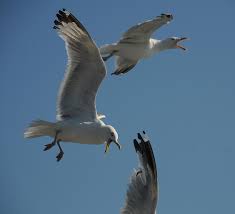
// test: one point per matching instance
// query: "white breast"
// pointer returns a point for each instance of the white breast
(84, 133)
(137, 51)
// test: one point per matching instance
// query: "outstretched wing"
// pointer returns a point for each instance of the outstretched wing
(85, 70)
(142, 32)
(142, 193)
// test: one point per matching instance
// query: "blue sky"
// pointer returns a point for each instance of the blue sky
(184, 100)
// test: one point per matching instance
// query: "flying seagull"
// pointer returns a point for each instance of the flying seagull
(136, 44)
(142, 193)
(77, 118)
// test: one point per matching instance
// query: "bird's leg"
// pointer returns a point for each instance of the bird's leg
(107, 147)
(50, 145)
(138, 172)
(60, 155)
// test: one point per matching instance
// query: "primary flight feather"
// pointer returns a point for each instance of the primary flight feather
(142, 193)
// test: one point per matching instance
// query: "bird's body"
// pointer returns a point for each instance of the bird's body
(84, 133)
(137, 44)
(77, 118)
(138, 51)
(71, 130)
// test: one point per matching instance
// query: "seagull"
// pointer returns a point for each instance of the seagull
(136, 44)
(77, 119)
(142, 193)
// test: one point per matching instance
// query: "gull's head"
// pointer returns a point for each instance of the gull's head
(111, 136)
(173, 42)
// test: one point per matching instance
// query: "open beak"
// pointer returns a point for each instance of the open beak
(108, 145)
(179, 46)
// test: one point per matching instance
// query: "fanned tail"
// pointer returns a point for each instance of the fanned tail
(40, 128)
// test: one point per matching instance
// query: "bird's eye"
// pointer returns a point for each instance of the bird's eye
(112, 134)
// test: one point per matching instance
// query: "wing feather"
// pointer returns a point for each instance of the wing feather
(85, 70)
(142, 193)
(123, 65)
(142, 32)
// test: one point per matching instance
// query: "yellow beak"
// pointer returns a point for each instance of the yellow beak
(107, 147)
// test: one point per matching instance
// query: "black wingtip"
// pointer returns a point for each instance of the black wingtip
(59, 17)
(61, 12)
(168, 15)
(137, 146)
(140, 137)
(56, 22)
(145, 149)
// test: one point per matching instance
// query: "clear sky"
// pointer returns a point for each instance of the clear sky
(184, 100)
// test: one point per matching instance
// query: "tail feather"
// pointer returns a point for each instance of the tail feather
(40, 128)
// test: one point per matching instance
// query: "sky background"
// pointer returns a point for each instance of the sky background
(185, 101)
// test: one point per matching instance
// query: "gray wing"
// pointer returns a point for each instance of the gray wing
(142, 32)
(85, 70)
(142, 193)
(123, 65)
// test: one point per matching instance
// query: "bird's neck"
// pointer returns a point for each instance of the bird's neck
(159, 45)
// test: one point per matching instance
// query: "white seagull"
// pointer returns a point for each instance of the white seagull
(136, 44)
(77, 118)
(142, 193)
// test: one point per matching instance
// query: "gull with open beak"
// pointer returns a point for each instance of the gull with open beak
(113, 138)
(136, 44)
(77, 118)
(176, 40)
